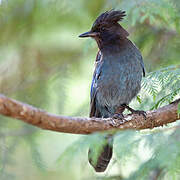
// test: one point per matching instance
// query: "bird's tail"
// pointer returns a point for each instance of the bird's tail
(103, 159)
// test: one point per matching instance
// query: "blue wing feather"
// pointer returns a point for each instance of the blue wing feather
(93, 109)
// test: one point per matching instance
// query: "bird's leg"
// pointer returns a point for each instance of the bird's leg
(118, 117)
(139, 112)
(119, 112)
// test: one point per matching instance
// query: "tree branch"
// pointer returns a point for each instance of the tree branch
(82, 125)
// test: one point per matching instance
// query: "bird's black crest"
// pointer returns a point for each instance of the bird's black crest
(109, 17)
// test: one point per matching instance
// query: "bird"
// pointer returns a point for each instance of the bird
(119, 69)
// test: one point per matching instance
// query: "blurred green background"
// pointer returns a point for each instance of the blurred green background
(45, 64)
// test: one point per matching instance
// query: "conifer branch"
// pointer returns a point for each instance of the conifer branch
(84, 125)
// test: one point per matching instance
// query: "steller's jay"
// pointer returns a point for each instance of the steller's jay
(117, 77)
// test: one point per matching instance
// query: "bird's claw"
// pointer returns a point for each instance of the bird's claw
(118, 119)
(118, 116)
(139, 112)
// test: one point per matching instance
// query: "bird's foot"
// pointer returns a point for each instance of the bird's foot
(139, 112)
(118, 119)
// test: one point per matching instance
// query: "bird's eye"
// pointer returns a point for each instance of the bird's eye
(102, 28)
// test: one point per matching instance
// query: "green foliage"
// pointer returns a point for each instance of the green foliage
(178, 109)
(43, 63)
(35, 154)
(166, 162)
(163, 85)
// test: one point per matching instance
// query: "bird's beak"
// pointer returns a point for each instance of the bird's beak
(88, 34)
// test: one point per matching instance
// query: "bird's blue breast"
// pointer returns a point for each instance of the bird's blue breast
(116, 81)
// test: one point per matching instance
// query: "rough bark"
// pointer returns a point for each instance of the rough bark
(83, 125)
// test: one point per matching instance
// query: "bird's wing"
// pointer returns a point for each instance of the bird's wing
(139, 57)
(93, 108)
(142, 65)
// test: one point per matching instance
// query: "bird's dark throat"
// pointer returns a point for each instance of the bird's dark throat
(110, 44)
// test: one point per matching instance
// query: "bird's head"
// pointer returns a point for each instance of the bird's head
(106, 28)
